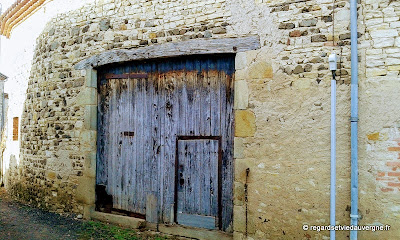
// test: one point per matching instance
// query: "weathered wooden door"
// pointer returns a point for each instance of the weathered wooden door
(159, 123)
(198, 194)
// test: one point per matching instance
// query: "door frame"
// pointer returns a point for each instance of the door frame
(217, 138)
(88, 101)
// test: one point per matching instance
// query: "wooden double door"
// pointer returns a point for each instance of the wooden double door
(165, 140)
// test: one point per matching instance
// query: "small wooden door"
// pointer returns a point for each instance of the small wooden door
(158, 120)
(198, 183)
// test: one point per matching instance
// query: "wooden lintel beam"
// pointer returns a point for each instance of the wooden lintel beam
(184, 48)
(126, 75)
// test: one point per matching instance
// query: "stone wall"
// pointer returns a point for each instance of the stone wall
(53, 133)
(379, 118)
(282, 106)
(286, 144)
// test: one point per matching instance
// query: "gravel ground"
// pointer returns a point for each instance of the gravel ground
(20, 222)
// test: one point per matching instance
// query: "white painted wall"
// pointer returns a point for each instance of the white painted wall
(16, 60)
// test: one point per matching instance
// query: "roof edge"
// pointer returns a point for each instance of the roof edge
(17, 13)
(3, 77)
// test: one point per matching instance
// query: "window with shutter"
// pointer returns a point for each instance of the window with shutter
(15, 129)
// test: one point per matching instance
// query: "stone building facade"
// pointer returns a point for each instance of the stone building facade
(282, 104)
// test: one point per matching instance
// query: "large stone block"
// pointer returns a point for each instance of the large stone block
(88, 209)
(240, 169)
(302, 83)
(90, 164)
(239, 221)
(90, 120)
(240, 61)
(260, 70)
(87, 96)
(394, 68)
(383, 42)
(241, 95)
(85, 192)
(238, 148)
(238, 194)
(239, 236)
(397, 42)
(109, 36)
(245, 123)
(387, 33)
(91, 78)
(373, 72)
(240, 75)
(392, 61)
(88, 140)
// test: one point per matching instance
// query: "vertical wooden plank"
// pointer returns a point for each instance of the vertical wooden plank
(112, 146)
(142, 138)
(184, 165)
(192, 175)
(118, 159)
(225, 161)
(181, 176)
(227, 144)
(214, 155)
(188, 199)
(161, 114)
(197, 158)
(173, 92)
(128, 148)
(183, 105)
(181, 120)
(126, 143)
(206, 186)
(163, 161)
(101, 136)
(147, 127)
(123, 140)
(154, 139)
(205, 103)
(122, 121)
(197, 181)
(116, 146)
(136, 146)
(108, 156)
(215, 96)
(108, 142)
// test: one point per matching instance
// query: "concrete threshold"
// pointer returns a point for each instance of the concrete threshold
(124, 221)
(183, 231)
